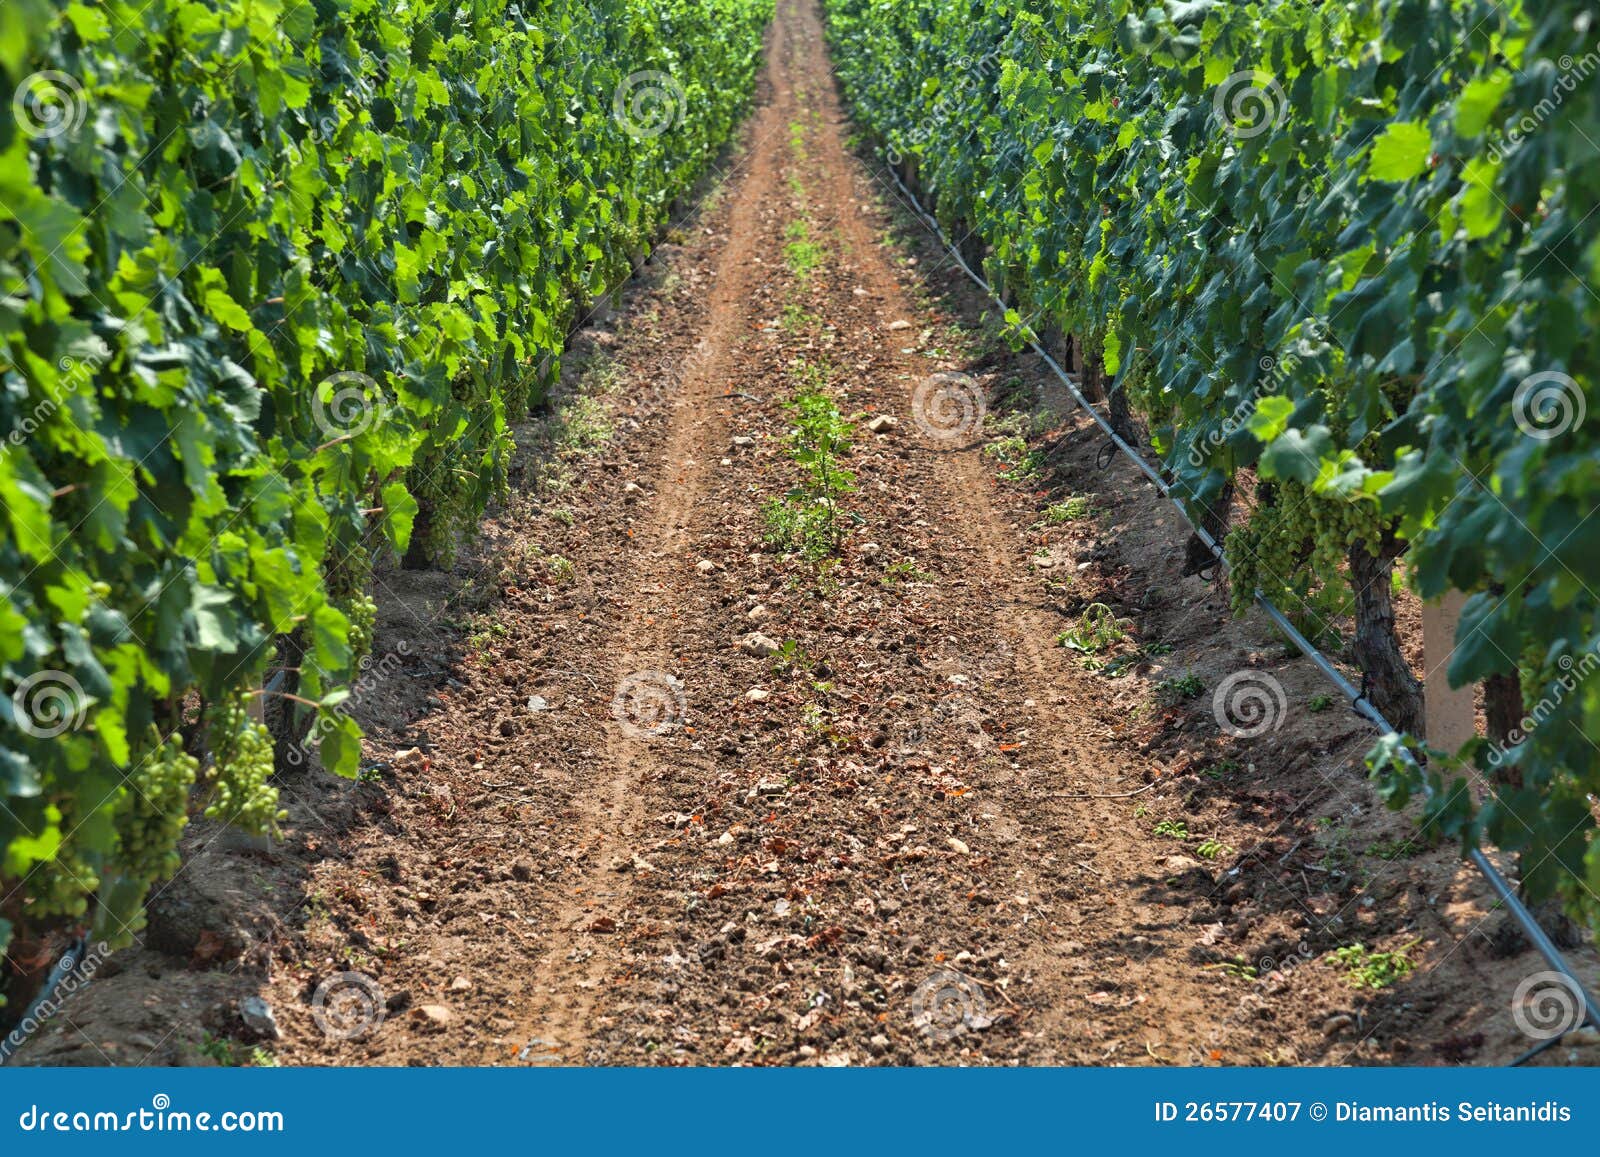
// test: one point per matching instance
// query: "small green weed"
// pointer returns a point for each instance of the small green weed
(1182, 687)
(904, 571)
(1374, 970)
(1098, 628)
(1069, 511)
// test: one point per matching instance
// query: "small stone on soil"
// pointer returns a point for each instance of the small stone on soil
(434, 1014)
(758, 645)
(257, 1016)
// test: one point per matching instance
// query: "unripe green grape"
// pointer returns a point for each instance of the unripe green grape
(152, 812)
(241, 751)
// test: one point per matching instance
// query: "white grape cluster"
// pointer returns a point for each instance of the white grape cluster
(240, 793)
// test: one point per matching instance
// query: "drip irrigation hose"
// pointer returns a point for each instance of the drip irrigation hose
(1358, 701)
(71, 961)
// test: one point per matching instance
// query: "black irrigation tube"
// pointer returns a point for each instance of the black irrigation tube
(70, 963)
(1358, 702)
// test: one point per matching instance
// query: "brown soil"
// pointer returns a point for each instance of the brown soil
(933, 808)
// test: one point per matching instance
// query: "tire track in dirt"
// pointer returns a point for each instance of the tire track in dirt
(1074, 983)
(973, 545)
(613, 804)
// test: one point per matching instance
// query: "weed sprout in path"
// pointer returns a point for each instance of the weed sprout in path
(808, 520)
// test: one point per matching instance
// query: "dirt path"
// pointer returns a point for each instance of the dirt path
(921, 833)
(593, 827)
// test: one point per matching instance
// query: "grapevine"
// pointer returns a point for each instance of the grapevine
(277, 280)
(1293, 548)
(153, 812)
(1346, 248)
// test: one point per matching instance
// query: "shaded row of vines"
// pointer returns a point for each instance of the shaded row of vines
(1343, 256)
(275, 278)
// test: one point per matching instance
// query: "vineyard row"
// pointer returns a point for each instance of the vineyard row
(278, 278)
(1338, 259)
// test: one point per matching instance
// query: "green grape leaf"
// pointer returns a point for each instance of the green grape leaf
(1400, 153)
